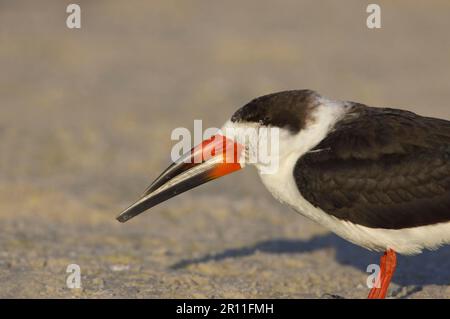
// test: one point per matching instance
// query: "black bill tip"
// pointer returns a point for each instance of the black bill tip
(124, 217)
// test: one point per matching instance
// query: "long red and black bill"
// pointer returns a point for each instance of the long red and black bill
(213, 158)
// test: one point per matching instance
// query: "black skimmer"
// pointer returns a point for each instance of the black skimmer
(378, 177)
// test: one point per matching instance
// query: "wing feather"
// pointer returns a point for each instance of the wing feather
(381, 168)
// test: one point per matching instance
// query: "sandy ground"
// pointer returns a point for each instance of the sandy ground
(85, 123)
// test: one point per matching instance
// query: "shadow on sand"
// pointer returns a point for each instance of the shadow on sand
(428, 268)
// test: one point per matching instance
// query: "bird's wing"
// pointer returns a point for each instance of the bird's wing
(381, 168)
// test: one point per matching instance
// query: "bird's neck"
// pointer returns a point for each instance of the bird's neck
(281, 181)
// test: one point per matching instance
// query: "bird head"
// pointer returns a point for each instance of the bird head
(259, 134)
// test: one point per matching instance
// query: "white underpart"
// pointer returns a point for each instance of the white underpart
(408, 241)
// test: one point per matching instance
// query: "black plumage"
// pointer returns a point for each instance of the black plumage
(287, 109)
(381, 168)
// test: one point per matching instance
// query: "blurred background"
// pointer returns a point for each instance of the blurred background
(85, 122)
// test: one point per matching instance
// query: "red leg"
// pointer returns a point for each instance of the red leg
(374, 292)
(388, 262)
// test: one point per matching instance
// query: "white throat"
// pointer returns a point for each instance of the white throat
(282, 184)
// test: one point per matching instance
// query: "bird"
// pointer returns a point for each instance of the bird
(378, 177)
